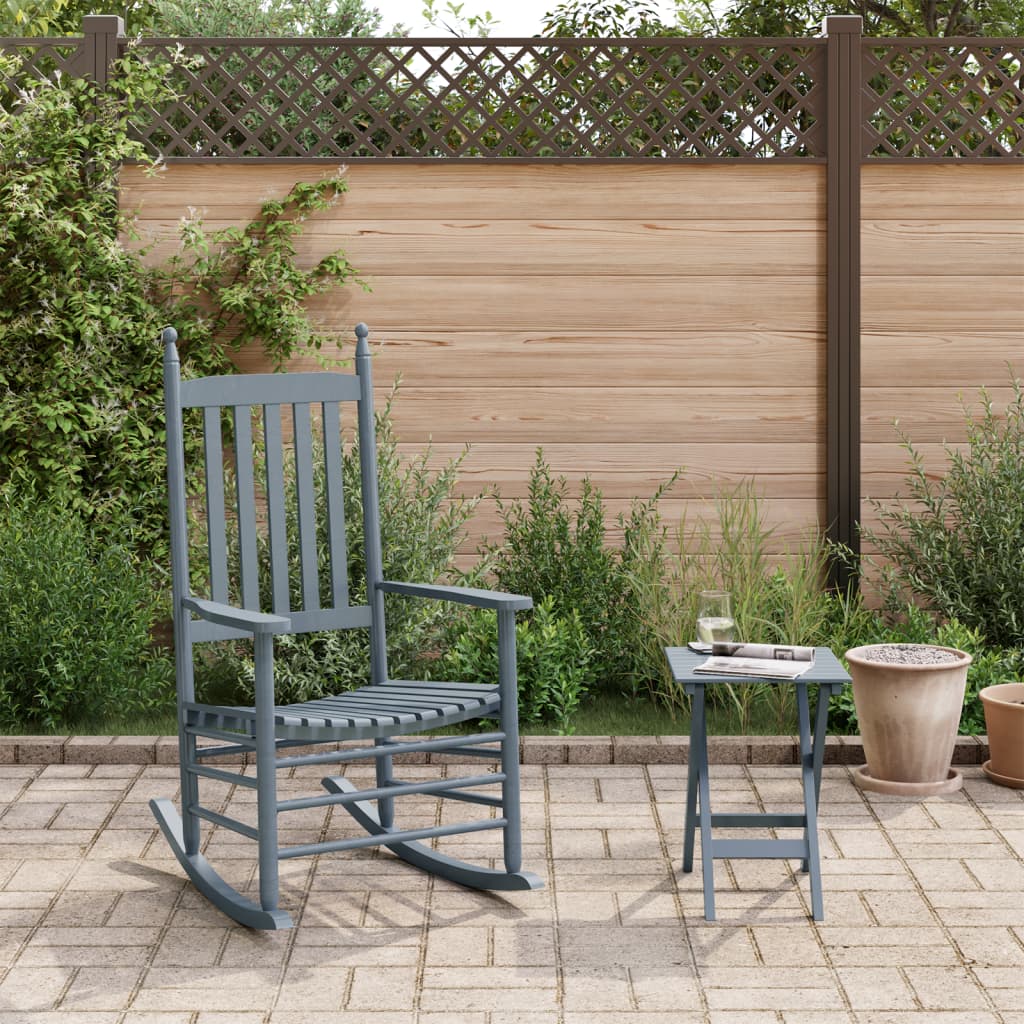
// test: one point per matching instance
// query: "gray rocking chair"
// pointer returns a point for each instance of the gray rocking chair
(384, 709)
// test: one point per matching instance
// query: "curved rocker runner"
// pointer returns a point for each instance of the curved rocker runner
(375, 713)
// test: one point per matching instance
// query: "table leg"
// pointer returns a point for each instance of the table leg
(820, 728)
(707, 861)
(811, 780)
(690, 820)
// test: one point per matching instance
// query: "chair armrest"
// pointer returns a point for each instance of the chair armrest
(460, 595)
(239, 618)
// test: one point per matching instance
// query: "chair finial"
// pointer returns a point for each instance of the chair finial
(168, 335)
(362, 333)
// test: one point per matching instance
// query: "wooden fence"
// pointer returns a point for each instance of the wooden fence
(743, 257)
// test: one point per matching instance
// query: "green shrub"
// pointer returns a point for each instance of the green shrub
(553, 655)
(914, 625)
(75, 621)
(956, 544)
(81, 414)
(551, 551)
(422, 524)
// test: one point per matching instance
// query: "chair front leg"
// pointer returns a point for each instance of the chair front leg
(189, 788)
(266, 772)
(512, 833)
(385, 777)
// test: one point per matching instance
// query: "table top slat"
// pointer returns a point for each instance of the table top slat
(826, 671)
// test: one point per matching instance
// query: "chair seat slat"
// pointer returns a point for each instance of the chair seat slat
(362, 709)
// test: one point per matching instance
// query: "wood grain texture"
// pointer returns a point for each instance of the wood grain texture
(942, 192)
(629, 319)
(923, 414)
(886, 467)
(434, 248)
(466, 190)
(915, 303)
(610, 415)
(627, 469)
(617, 301)
(967, 360)
(789, 521)
(942, 248)
(579, 359)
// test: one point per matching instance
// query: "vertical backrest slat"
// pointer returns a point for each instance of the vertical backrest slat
(306, 495)
(213, 453)
(275, 509)
(246, 498)
(335, 502)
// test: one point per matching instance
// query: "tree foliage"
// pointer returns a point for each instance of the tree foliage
(894, 18)
(197, 17)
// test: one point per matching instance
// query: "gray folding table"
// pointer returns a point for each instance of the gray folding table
(828, 675)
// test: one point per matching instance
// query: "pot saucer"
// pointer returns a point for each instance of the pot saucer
(1002, 780)
(865, 780)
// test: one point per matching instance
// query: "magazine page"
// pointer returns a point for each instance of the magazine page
(774, 652)
(763, 668)
(766, 661)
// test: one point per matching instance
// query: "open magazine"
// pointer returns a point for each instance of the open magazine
(768, 661)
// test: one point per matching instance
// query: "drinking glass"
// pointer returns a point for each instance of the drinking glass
(715, 623)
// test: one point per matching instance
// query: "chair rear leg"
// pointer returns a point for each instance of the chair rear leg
(512, 833)
(266, 774)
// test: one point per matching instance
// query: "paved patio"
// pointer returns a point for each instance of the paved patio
(924, 910)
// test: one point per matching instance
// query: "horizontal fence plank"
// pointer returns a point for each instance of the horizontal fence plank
(966, 191)
(626, 470)
(886, 468)
(942, 248)
(914, 303)
(542, 415)
(968, 360)
(575, 302)
(461, 190)
(789, 521)
(924, 414)
(581, 359)
(430, 248)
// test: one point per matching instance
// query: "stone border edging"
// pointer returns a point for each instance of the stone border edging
(969, 750)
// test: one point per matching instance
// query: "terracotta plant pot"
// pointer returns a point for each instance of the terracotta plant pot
(1004, 723)
(908, 699)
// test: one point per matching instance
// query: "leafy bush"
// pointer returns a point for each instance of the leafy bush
(552, 551)
(991, 664)
(956, 545)
(75, 621)
(422, 524)
(553, 655)
(81, 380)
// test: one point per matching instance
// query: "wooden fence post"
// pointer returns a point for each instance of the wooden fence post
(844, 130)
(101, 33)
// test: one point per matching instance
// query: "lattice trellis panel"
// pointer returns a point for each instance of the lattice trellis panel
(498, 99)
(42, 58)
(945, 99)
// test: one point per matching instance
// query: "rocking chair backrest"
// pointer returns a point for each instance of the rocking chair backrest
(251, 510)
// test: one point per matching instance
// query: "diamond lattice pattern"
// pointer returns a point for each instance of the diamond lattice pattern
(950, 99)
(580, 99)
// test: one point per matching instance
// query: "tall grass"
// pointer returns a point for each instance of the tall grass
(773, 601)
